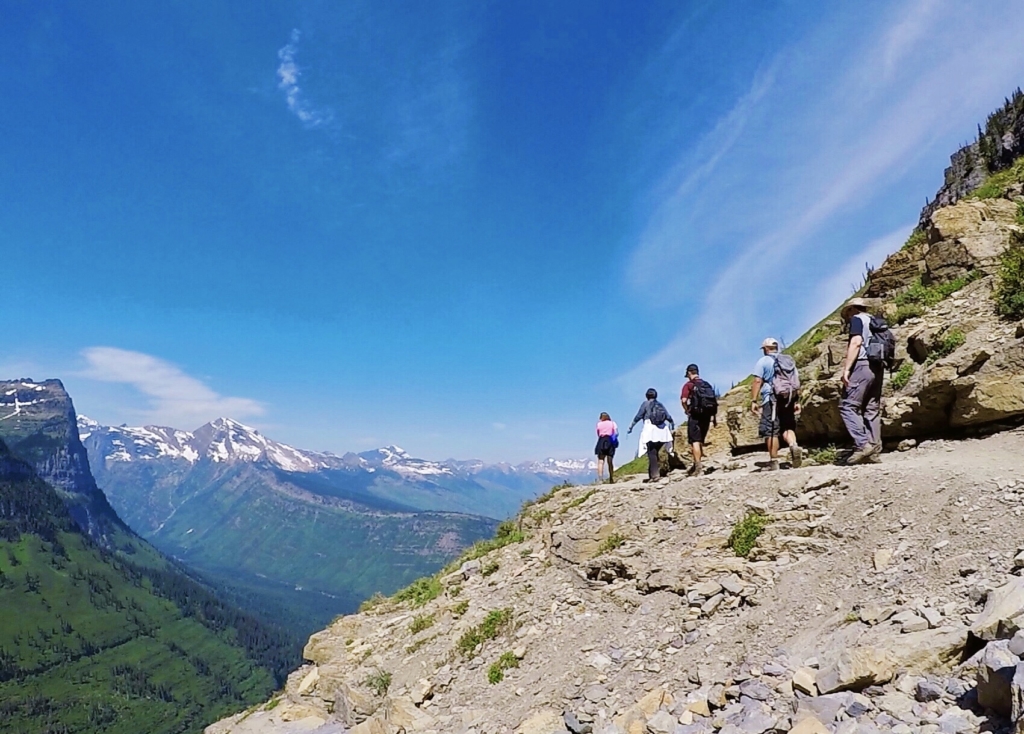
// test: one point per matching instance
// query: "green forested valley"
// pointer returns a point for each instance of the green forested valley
(91, 642)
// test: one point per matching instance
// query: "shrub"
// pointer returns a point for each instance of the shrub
(746, 532)
(495, 623)
(613, 541)
(372, 603)
(461, 608)
(902, 376)
(421, 622)
(507, 533)
(1009, 295)
(823, 456)
(490, 568)
(917, 237)
(950, 342)
(913, 301)
(420, 591)
(379, 682)
(496, 673)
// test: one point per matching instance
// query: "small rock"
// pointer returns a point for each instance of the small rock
(996, 670)
(932, 616)
(926, 691)
(662, 723)
(952, 722)
(574, 725)
(809, 726)
(1016, 645)
(906, 444)
(755, 689)
(882, 558)
(803, 681)
(595, 693)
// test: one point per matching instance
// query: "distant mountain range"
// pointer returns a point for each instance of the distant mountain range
(388, 473)
(316, 531)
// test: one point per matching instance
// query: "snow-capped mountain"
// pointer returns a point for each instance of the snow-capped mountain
(227, 441)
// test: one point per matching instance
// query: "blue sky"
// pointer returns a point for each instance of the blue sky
(462, 227)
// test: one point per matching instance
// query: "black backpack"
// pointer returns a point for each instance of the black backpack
(880, 344)
(657, 414)
(703, 400)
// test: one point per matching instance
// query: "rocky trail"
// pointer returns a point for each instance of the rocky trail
(878, 598)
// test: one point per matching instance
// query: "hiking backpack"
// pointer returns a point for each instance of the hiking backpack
(703, 400)
(657, 414)
(880, 345)
(786, 380)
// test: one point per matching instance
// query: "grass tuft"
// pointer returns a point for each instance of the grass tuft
(824, 456)
(461, 608)
(496, 673)
(919, 297)
(379, 682)
(372, 603)
(612, 542)
(746, 532)
(636, 466)
(490, 568)
(996, 185)
(950, 342)
(902, 376)
(497, 622)
(421, 622)
(420, 591)
(578, 501)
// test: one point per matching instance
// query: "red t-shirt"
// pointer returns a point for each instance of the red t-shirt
(684, 396)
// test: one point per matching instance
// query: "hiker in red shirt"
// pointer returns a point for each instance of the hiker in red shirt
(701, 405)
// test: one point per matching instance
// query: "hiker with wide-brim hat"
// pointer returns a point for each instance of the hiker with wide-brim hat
(861, 403)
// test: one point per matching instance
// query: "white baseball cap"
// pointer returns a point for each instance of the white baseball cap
(770, 342)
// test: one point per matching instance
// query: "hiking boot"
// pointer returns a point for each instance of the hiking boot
(773, 465)
(697, 470)
(864, 452)
(796, 456)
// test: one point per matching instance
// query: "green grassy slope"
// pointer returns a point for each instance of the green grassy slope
(91, 642)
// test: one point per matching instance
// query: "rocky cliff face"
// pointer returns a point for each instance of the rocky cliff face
(38, 422)
(960, 366)
(998, 145)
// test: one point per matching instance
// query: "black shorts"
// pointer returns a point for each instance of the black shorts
(604, 447)
(776, 419)
(697, 428)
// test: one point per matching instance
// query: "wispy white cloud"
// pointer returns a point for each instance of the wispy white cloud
(288, 73)
(774, 212)
(173, 397)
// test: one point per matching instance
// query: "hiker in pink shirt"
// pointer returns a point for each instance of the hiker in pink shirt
(607, 442)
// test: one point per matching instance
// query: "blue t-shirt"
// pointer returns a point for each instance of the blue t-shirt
(765, 369)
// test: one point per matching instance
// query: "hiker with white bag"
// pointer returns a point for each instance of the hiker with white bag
(775, 397)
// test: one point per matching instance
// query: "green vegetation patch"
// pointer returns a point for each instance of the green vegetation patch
(372, 603)
(1009, 293)
(420, 591)
(496, 673)
(636, 466)
(746, 532)
(919, 297)
(902, 376)
(508, 533)
(824, 455)
(379, 682)
(421, 622)
(578, 501)
(497, 622)
(612, 542)
(996, 185)
(917, 237)
(461, 608)
(490, 568)
(949, 343)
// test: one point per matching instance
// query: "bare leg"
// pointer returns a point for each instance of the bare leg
(790, 438)
(772, 442)
(600, 467)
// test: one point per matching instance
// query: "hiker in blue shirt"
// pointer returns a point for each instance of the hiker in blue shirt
(777, 417)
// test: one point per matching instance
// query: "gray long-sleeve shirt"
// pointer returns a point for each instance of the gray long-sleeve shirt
(645, 412)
